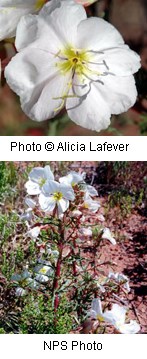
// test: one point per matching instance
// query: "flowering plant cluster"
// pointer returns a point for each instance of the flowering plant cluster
(66, 60)
(63, 220)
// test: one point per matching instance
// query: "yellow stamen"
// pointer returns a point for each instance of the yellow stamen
(73, 60)
(100, 318)
(57, 196)
(86, 205)
(42, 271)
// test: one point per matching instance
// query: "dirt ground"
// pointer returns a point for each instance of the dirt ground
(129, 255)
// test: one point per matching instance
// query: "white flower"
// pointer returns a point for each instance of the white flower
(42, 278)
(11, 12)
(72, 178)
(37, 178)
(89, 190)
(115, 316)
(85, 68)
(27, 215)
(43, 273)
(21, 277)
(107, 235)
(56, 194)
(30, 203)
(93, 206)
(20, 292)
(87, 232)
(120, 278)
(34, 232)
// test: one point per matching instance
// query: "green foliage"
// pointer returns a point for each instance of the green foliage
(37, 316)
(7, 226)
(9, 258)
(122, 200)
(8, 177)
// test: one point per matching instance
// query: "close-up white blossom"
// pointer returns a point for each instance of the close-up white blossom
(54, 195)
(37, 178)
(68, 60)
(116, 317)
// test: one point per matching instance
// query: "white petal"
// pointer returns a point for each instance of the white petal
(121, 60)
(41, 278)
(91, 190)
(36, 174)
(97, 34)
(30, 202)
(51, 187)
(48, 173)
(34, 232)
(129, 328)
(34, 31)
(92, 205)
(32, 188)
(107, 235)
(20, 292)
(64, 17)
(92, 112)
(96, 306)
(47, 204)
(63, 205)
(67, 191)
(32, 74)
(72, 178)
(119, 92)
(116, 314)
(9, 18)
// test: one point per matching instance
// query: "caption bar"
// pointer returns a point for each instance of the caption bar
(73, 148)
(49, 346)
(66, 146)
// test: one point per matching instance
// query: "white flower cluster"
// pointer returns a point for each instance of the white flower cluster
(66, 60)
(53, 195)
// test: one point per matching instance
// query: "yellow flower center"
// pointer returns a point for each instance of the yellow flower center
(42, 271)
(73, 184)
(86, 205)
(100, 318)
(58, 196)
(39, 4)
(73, 60)
(77, 62)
